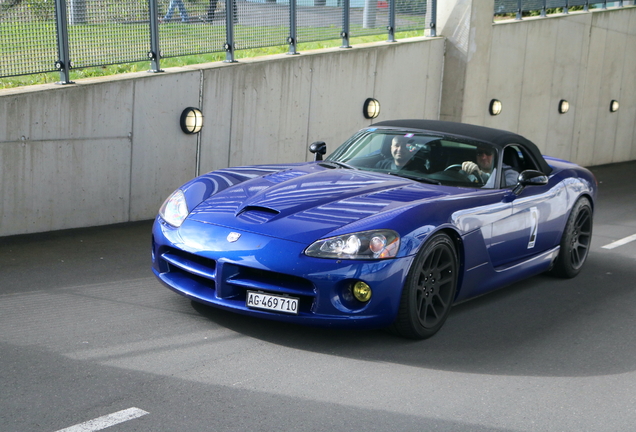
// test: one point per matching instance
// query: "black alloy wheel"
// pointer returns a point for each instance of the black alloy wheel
(429, 290)
(575, 242)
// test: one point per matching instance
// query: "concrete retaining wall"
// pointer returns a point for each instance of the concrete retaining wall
(587, 59)
(110, 150)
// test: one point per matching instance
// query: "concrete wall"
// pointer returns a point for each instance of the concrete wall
(110, 150)
(587, 59)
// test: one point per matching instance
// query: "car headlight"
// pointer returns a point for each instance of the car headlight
(376, 244)
(175, 209)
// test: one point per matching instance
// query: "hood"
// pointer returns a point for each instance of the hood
(304, 203)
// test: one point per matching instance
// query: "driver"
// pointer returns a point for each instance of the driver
(483, 169)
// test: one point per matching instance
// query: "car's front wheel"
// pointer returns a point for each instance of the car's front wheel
(575, 242)
(429, 289)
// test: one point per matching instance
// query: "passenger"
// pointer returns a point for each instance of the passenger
(400, 155)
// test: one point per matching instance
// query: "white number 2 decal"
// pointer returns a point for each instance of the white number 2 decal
(534, 226)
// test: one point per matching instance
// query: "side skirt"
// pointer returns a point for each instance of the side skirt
(485, 278)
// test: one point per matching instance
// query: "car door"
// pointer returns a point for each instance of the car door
(532, 226)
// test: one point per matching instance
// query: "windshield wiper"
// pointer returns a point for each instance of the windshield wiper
(416, 178)
(337, 164)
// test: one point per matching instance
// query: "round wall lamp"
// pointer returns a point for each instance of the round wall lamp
(371, 108)
(614, 105)
(495, 107)
(191, 120)
(564, 106)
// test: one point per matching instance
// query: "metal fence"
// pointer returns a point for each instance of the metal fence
(38, 36)
(521, 8)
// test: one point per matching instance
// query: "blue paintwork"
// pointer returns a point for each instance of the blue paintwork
(279, 210)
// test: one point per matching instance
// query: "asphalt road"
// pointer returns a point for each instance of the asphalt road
(86, 332)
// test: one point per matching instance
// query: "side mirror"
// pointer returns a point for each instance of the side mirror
(318, 148)
(529, 178)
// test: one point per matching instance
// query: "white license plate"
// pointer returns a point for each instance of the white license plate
(259, 300)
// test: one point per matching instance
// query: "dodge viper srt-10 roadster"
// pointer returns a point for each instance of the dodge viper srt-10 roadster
(403, 220)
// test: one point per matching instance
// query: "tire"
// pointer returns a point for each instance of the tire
(429, 290)
(575, 242)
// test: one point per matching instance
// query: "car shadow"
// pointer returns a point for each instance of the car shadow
(543, 326)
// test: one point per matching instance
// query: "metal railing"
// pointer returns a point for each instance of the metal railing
(38, 36)
(521, 8)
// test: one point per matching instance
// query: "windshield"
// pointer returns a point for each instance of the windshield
(419, 156)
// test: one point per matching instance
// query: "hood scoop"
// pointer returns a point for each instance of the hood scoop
(257, 214)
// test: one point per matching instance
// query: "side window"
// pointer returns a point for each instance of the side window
(515, 160)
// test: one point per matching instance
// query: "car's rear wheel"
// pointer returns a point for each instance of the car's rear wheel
(429, 289)
(575, 242)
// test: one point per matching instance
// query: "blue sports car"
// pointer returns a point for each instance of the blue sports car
(403, 220)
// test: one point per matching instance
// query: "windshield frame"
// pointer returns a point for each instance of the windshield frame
(431, 157)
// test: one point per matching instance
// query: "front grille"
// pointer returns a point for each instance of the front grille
(199, 268)
(208, 279)
(251, 278)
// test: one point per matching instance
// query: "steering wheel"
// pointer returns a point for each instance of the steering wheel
(469, 177)
(454, 167)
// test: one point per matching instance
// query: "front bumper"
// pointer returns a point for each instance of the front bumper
(197, 261)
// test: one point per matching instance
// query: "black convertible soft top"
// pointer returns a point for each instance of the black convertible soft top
(496, 137)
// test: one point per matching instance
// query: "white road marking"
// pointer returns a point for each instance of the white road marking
(620, 242)
(106, 421)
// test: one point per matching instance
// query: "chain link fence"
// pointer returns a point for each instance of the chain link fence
(27, 37)
(38, 36)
